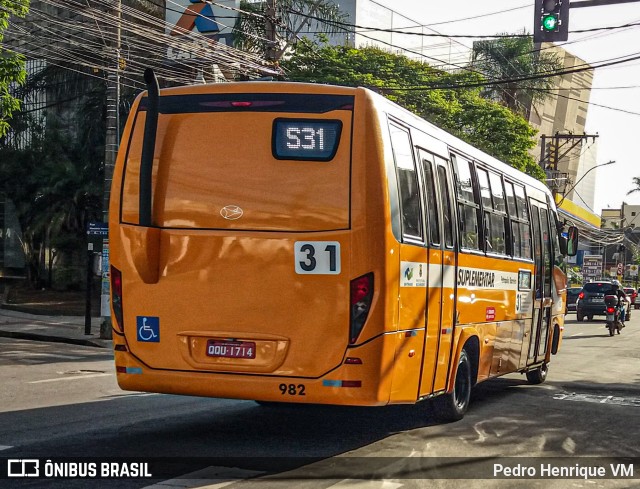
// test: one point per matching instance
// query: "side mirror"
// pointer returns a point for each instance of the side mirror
(572, 241)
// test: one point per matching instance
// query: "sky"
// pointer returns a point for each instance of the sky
(619, 131)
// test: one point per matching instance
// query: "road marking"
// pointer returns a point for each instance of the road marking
(5, 447)
(73, 377)
(366, 484)
(213, 477)
(616, 400)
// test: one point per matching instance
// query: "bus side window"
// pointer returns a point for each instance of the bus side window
(432, 201)
(493, 209)
(516, 239)
(523, 222)
(408, 189)
(446, 207)
(498, 230)
(546, 250)
(468, 208)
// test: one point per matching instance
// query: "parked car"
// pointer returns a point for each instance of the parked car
(572, 299)
(631, 294)
(591, 300)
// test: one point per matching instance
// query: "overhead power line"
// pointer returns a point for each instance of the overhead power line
(475, 36)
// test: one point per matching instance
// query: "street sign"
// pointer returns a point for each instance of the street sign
(96, 228)
(633, 270)
(620, 269)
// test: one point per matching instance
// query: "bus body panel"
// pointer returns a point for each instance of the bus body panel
(231, 288)
(205, 278)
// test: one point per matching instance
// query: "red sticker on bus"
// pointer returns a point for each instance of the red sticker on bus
(490, 314)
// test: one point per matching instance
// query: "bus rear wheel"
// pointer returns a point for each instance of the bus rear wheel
(454, 405)
(538, 375)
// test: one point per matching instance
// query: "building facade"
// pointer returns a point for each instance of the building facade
(561, 121)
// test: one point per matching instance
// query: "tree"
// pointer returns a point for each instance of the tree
(56, 188)
(462, 112)
(250, 31)
(636, 182)
(55, 177)
(11, 64)
(510, 58)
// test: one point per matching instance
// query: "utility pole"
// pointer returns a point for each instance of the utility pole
(271, 51)
(113, 120)
(552, 152)
(112, 141)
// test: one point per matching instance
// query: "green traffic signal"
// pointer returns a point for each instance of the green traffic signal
(550, 22)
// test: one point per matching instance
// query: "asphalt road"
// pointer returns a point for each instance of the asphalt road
(61, 400)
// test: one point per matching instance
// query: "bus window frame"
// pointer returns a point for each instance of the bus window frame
(458, 201)
(405, 237)
(446, 201)
(491, 214)
(425, 158)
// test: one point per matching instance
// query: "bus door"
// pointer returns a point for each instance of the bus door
(541, 241)
(413, 268)
(441, 259)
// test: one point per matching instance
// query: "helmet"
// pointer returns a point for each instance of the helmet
(615, 283)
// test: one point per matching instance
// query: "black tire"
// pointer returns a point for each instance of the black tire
(538, 375)
(579, 317)
(454, 405)
(612, 329)
(590, 317)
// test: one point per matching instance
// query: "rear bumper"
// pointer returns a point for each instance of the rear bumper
(354, 385)
(591, 309)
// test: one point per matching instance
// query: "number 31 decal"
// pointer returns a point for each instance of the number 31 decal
(317, 257)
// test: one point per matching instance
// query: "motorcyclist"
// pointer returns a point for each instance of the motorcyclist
(616, 289)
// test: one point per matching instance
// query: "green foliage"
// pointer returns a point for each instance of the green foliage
(574, 276)
(463, 112)
(509, 58)
(11, 64)
(636, 182)
(56, 187)
(250, 28)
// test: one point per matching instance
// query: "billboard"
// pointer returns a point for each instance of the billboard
(592, 267)
(195, 23)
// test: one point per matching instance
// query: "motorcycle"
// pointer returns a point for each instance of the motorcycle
(613, 314)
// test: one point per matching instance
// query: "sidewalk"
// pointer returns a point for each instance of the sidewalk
(61, 329)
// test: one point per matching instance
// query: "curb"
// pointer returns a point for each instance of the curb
(42, 312)
(56, 339)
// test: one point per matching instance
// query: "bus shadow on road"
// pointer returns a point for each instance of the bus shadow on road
(507, 415)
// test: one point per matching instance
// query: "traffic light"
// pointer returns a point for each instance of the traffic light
(551, 20)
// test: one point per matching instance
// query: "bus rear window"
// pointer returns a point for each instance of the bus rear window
(227, 161)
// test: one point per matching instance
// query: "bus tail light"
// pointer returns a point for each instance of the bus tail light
(361, 298)
(116, 296)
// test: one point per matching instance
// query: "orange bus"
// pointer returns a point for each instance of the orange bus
(302, 243)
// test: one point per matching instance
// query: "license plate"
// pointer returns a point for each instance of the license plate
(597, 300)
(609, 317)
(231, 349)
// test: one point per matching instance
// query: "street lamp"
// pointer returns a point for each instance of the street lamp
(580, 179)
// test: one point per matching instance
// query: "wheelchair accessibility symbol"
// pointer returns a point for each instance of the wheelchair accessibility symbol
(148, 329)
